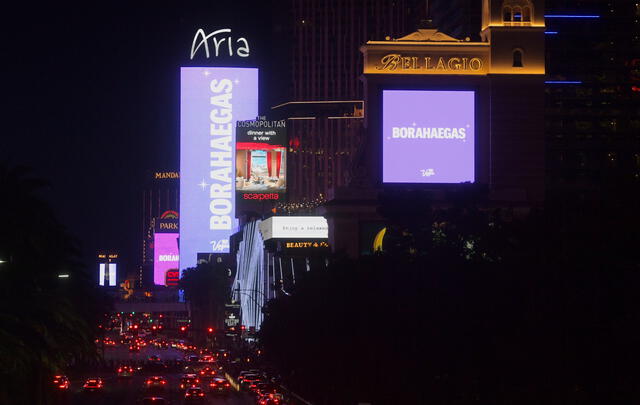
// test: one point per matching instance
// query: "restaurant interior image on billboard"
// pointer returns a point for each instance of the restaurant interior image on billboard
(261, 159)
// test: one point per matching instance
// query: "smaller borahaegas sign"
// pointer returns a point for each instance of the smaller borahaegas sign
(261, 161)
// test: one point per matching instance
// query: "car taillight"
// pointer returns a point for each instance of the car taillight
(119, 370)
(227, 385)
(164, 382)
(62, 386)
(201, 394)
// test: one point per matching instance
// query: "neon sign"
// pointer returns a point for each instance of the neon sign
(218, 39)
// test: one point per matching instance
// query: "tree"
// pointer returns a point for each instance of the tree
(46, 322)
(207, 287)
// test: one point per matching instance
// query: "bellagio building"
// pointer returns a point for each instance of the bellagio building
(445, 113)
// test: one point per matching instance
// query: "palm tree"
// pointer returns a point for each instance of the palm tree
(47, 322)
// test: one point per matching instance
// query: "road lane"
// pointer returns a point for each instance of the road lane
(128, 391)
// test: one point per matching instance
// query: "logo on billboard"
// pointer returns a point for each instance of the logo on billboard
(169, 215)
(222, 42)
(172, 276)
(221, 245)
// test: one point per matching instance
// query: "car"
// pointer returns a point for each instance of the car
(193, 358)
(61, 382)
(261, 389)
(125, 371)
(189, 380)
(153, 401)
(207, 358)
(134, 349)
(94, 384)
(156, 383)
(271, 399)
(250, 380)
(194, 395)
(208, 371)
(219, 385)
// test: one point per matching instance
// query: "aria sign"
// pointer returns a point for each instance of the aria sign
(222, 42)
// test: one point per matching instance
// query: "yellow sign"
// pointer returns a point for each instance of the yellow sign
(441, 64)
(166, 175)
(297, 245)
(169, 225)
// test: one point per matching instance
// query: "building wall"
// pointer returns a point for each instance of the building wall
(593, 127)
(326, 65)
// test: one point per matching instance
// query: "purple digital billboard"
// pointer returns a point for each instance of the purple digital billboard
(428, 136)
(212, 100)
(165, 256)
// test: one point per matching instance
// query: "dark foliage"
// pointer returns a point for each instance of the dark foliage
(470, 306)
(46, 322)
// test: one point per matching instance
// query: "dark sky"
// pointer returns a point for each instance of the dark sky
(90, 101)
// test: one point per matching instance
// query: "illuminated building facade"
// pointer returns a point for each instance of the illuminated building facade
(160, 196)
(478, 104)
(592, 98)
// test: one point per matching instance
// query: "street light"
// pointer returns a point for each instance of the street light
(63, 276)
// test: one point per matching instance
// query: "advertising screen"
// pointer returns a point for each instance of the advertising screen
(212, 100)
(112, 274)
(101, 273)
(428, 136)
(165, 256)
(261, 160)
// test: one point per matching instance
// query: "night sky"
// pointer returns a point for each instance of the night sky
(91, 96)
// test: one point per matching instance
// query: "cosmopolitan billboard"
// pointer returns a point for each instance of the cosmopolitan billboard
(261, 160)
(428, 136)
(166, 259)
(212, 100)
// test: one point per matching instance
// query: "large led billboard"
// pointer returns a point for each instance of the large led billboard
(165, 256)
(261, 160)
(428, 136)
(212, 100)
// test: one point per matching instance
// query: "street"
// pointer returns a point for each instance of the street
(129, 391)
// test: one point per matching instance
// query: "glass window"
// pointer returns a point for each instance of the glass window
(517, 58)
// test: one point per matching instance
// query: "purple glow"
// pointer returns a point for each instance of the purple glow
(428, 136)
(165, 255)
(211, 100)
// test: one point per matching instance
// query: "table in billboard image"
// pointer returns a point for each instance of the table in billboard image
(428, 136)
(212, 100)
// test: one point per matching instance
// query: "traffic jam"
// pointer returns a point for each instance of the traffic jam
(139, 365)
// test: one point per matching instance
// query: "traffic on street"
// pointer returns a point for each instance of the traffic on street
(136, 366)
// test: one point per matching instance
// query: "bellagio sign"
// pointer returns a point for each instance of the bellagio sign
(426, 58)
(398, 62)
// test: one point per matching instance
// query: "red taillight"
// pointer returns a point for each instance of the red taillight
(119, 370)
(227, 385)
(164, 382)
(63, 386)
(201, 394)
